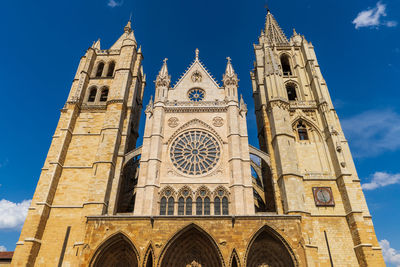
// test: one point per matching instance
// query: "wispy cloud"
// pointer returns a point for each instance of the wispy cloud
(372, 17)
(3, 248)
(13, 214)
(115, 3)
(390, 254)
(381, 179)
(373, 132)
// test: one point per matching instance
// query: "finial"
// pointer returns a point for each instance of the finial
(165, 60)
(197, 54)
(229, 59)
(128, 27)
(294, 31)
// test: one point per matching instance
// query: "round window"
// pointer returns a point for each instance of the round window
(196, 94)
(195, 152)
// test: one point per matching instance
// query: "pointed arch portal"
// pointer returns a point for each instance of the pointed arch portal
(267, 248)
(118, 251)
(191, 247)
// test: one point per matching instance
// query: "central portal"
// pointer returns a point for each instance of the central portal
(192, 247)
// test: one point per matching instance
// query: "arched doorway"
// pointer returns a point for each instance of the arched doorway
(191, 247)
(118, 251)
(268, 249)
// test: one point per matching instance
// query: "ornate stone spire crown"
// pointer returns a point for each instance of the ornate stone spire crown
(230, 77)
(273, 32)
(163, 78)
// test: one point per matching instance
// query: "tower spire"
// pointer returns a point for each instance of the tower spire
(273, 32)
(163, 78)
(230, 77)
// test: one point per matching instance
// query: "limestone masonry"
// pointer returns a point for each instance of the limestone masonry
(196, 193)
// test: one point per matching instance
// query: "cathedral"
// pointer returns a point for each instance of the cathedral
(195, 193)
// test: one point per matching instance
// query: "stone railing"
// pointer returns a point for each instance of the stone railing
(303, 104)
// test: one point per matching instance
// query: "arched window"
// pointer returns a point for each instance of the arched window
(104, 95)
(287, 71)
(181, 206)
(225, 209)
(189, 206)
(163, 206)
(302, 131)
(100, 69)
(291, 91)
(171, 206)
(111, 68)
(199, 206)
(92, 95)
(207, 206)
(217, 206)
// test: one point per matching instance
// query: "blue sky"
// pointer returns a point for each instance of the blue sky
(359, 53)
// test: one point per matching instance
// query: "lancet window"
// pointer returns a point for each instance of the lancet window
(291, 91)
(167, 202)
(203, 201)
(220, 197)
(100, 69)
(286, 69)
(111, 67)
(104, 95)
(92, 94)
(185, 201)
(302, 131)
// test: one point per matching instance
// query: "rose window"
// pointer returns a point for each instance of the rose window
(196, 94)
(195, 152)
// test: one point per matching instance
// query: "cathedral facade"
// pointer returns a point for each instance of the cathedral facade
(195, 193)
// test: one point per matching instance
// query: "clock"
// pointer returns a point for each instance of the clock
(323, 196)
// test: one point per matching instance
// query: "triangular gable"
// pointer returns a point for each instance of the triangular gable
(196, 62)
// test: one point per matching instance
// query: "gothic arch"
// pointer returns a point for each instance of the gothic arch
(234, 260)
(268, 248)
(117, 251)
(313, 125)
(191, 245)
(149, 257)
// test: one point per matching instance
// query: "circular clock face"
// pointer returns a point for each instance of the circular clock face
(323, 195)
(196, 94)
(195, 152)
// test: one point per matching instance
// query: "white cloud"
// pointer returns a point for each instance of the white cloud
(3, 248)
(372, 17)
(13, 214)
(114, 3)
(373, 132)
(381, 179)
(390, 254)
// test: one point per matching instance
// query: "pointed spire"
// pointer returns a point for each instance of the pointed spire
(163, 78)
(96, 45)
(273, 32)
(230, 77)
(229, 71)
(128, 27)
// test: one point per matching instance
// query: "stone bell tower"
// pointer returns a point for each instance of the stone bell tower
(312, 172)
(81, 175)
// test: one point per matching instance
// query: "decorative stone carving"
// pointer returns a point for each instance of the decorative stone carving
(173, 122)
(197, 77)
(218, 121)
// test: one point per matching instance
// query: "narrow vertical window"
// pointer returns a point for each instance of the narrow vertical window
(291, 92)
(199, 206)
(92, 95)
(206, 206)
(181, 206)
(104, 95)
(217, 206)
(302, 131)
(111, 68)
(287, 71)
(100, 69)
(171, 206)
(225, 210)
(189, 206)
(163, 206)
